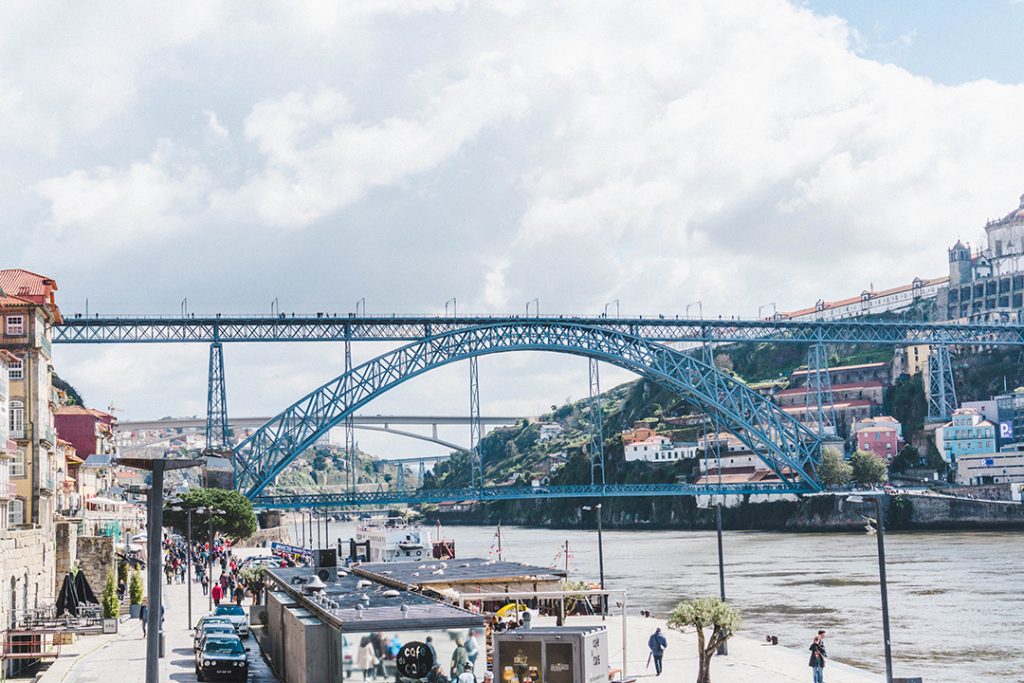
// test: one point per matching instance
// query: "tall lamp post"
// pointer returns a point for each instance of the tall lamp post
(600, 554)
(723, 649)
(880, 534)
(154, 549)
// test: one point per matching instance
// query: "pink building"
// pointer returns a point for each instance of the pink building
(882, 440)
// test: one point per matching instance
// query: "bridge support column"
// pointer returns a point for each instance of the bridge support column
(475, 427)
(818, 405)
(941, 387)
(350, 431)
(596, 446)
(217, 437)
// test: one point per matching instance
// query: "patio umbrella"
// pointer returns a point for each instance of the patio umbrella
(84, 592)
(67, 599)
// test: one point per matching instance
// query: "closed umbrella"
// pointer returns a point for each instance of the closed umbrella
(67, 599)
(83, 591)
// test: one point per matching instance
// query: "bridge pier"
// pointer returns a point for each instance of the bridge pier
(596, 446)
(941, 386)
(217, 435)
(818, 403)
(475, 428)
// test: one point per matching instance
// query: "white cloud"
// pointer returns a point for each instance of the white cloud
(657, 153)
(318, 159)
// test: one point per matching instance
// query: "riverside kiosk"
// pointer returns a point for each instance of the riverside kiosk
(552, 655)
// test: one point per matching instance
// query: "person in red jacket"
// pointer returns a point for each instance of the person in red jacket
(216, 593)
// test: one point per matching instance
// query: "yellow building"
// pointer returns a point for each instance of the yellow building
(28, 311)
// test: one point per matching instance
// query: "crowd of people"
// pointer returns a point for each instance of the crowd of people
(207, 562)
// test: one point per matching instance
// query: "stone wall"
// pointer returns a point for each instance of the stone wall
(26, 571)
(96, 559)
(66, 540)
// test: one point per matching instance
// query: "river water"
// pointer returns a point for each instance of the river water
(956, 600)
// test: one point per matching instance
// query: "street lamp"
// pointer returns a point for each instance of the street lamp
(880, 526)
(600, 554)
(154, 525)
(723, 649)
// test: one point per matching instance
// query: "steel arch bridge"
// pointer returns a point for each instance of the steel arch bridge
(789, 448)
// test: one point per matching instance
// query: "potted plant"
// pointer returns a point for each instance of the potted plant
(111, 605)
(135, 594)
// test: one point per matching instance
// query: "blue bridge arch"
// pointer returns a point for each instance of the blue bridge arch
(790, 449)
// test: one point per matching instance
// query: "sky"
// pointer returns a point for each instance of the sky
(738, 154)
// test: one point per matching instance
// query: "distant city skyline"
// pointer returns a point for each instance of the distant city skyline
(736, 154)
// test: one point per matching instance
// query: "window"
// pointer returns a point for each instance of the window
(16, 369)
(15, 326)
(18, 464)
(16, 512)
(17, 420)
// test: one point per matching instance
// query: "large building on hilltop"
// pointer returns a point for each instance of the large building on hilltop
(986, 285)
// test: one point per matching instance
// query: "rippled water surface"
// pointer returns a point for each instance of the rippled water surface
(955, 599)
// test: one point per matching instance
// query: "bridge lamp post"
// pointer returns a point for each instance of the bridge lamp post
(455, 307)
(613, 301)
(600, 553)
(880, 535)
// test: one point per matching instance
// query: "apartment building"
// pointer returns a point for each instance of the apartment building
(28, 311)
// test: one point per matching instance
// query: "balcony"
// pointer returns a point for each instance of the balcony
(18, 433)
(49, 436)
(8, 489)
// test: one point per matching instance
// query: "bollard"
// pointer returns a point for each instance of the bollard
(161, 644)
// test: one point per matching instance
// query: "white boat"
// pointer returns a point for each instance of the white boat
(392, 539)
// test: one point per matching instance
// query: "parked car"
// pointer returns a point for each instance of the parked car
(222, 657)
(212, 628)
(236, 614)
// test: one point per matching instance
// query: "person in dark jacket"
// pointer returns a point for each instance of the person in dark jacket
(657, 643)
(818, 657)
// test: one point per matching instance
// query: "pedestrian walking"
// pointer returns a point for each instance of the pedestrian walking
(472, 647)
(459, 659)
(657, 643)
(144, 616)
(818, 657)
(205, 581)
(217, 593)
(366, 659)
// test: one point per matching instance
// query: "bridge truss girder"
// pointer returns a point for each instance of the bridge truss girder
(785, 445)
(393, 497)
(153, 329)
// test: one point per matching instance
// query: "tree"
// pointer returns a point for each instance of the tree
(721, 617)
(833, 470)
(238, 522)
(135, 588)
(906, 459)
(868, 468)
(111, 605)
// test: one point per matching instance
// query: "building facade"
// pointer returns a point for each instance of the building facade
(659, 449)
(966, 434)
(979, 469)
(870, 302)
(8, 448)
(28, 310)
(881, 440)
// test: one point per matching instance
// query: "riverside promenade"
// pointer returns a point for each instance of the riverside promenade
(121, 657)
(748, 661)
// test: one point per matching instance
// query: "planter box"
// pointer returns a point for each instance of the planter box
(109, 625)
(134, 611)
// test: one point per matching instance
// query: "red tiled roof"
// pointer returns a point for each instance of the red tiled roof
(827, 305)
(18, 286)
